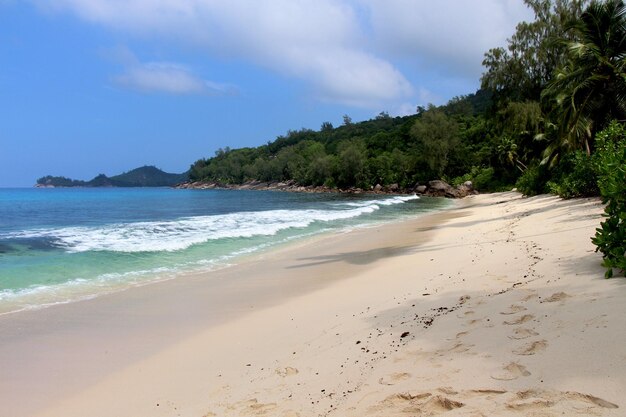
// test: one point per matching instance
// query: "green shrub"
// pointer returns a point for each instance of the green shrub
(575, 176)
(456, 181)
(610, 162)
(532, 181)
(481, 178)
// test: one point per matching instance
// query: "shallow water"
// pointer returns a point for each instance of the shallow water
(60, 245)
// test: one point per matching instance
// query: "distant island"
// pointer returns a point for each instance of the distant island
(146, 176)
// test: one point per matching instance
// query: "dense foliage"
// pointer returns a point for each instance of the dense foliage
(610, 161)
(560, 80)
(437, 142)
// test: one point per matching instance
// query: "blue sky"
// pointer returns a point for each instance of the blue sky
(105, 86)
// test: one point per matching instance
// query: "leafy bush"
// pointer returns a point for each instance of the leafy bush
(456, 181)
(481, 178)
(533, 180)
(610, 159)
(575, 176)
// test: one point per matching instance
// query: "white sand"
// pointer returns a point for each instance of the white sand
(496, 308)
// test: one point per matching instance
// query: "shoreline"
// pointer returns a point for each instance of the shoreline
(434, 188)
(42, 297)
(496, 306)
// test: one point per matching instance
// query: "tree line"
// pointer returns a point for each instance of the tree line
(437, 142)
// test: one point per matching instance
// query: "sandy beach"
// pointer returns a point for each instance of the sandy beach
(497, 307)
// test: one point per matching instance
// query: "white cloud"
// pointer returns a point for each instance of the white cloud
(354, 78)
(403, 109)
(164, 77)
(450, 35)
(167, 77)
(345, 49)
(319, 41)
(424, 97)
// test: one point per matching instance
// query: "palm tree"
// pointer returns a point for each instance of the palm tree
(507, 153)
(590, 90)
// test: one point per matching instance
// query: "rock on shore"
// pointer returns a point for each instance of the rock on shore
(435, 188)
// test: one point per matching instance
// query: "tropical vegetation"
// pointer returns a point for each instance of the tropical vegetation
(610, 161)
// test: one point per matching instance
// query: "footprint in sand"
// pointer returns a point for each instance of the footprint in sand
(439, 404)
(489, 391)
(510, 372)
(520, 320)
(522, 333)
(420, 404)
(465, 314)
(288, 371)
(557, 296)
(530, 295)
(514, 308)
(260, 409)
(590, 399)
(491, 395)
(458, 347)
(394, 378)
(530, 405)
(255, 408)
(447, 390)
(531, 348)
(405, 401)
(537, 402)
(570, 401)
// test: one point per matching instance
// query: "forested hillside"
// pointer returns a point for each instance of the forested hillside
(146, 176)
(436, 142)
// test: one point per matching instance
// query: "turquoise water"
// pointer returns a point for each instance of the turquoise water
(60, 245)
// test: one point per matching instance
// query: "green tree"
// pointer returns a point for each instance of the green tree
(308, 151)
(521, 71)
(321, 170)
(260, 169)
(381, 169)
(438, 136)
(292, 164)
(590, 89)
(507, 153)
(352, 168)
(326, 127)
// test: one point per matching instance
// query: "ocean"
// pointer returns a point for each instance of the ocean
(66, 244)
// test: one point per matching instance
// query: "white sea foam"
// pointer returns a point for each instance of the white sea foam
(382, 202)
(182, 233)
(60, 290)
(45, 295)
